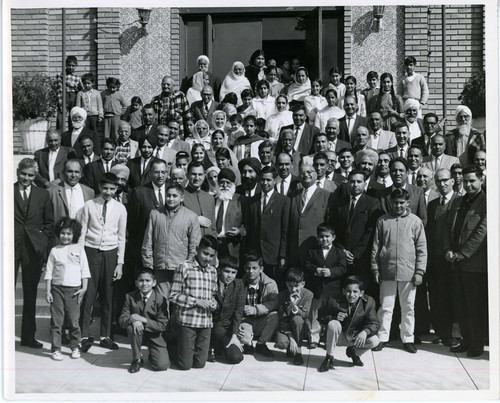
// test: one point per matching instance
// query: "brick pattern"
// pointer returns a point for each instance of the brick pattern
(347, 41)
(175, 57)
(108, 45)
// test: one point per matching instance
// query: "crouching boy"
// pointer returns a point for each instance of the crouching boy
(351, 321)
(145, 316)
(293, 309)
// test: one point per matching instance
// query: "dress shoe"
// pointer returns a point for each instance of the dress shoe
(135, 366)
(351, 353)
(289, 353)
(108, 343)
(297, 359)
(450, 342)
(261, 348)
(248, 349)
(461, 348)
(211, 355)
(474, 352)
(380, 346)
(31, 343)
(437, 340)
(326, 365)
(86, 344)
(410, 347)
(312, 345)
(417, 340)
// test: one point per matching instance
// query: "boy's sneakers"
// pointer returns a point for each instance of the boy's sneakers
(327, 364)
(297, 359)
(135, 366)
(351, 353)
(75, 353)
(57, 356)
(248, 349)
(87, 343)
(211, 355)
(108, 343)
(410, 347)
(261, 348)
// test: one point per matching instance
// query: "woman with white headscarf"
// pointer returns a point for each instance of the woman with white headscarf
(200, 79)
(235, 81)
(203, 62)
(301, 86)
(282, 118)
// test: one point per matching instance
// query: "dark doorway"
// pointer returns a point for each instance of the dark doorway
(282, 50)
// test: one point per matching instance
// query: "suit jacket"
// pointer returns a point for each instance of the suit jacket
(306, 145)
(341, 144)
(135, 178)
(234, 219)
(446, 162)
(294, 186)
(155, 310)
(394, 152)
(42, 159)
(95, 157)
(476, 142)
(92, 174)
(470, 240)
(285, 313)
(203, 204)
(355, 233)
(420, 141)
(180, 145)
(437, 226)
(230, 304)
(344, 132)
(329, 186)
(197, 110)
(267, 230)
(33, 224)
(140, 132)
(303, 224)
(334, 261)
(387, 140)
(60, 205)
(66, 141)
(417, 201)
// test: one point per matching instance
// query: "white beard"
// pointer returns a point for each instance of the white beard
(78, 125)
(464, 129)
(225, 195)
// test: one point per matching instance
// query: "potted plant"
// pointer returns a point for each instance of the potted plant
(474, 97)
(34, 102)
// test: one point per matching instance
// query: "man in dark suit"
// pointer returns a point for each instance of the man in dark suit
(332, 130)
(439, 272)
(71, 138)
(304, 132)
(354, 217)
(402, 134)
(266, 221)
(230, 297)
(431, 127)
(321, 164)
(286, 183)
(214, 81)
(438, 158)
(93, 172)
(308, 209)
(205, 108)
(466, 248)
(149, 124)
(88, 154)
(51, 160)
(351, 121)
(174, 141)
(140, 167)
(33, 221)
(250, 171)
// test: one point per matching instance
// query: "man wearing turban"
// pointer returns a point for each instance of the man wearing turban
(203, 63)
(71, 138)
(415, 124)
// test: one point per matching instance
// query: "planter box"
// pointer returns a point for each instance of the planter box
(32, 133)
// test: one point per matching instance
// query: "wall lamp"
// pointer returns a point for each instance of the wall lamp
(378, 13)
(144, 14)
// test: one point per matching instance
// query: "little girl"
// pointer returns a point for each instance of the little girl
(263, 103)
(331, 110)
(275, 85)
(133, 114)
(314, 102)
(335, 81)
(246, 108)
(67, 276)
(114, 104)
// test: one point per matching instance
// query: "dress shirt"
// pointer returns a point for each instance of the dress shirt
(268, 196)
(405, 151)
(52, 163)
(414, 129)
(350, 122)
(321, 182)
(74, 135)
(332, 145)
(447, 197)
(88, 159)
(146, 297)
(162, 189)
(218, 202)
(326, 251)
(375, 137)
(298, 135)
(426, 196)
(27, 190)
(286, 184)
(74, 196)
(411, 176)
(387, 181)
(158, 152)
(107, 165)
(308, 192)
(251, 192)
(436, 162)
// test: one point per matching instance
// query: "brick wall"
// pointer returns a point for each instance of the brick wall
(347, 40)
(175, 27)
(108, 45)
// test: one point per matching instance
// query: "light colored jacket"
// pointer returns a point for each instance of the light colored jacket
(399, 248)
(170, 239)
(268, 294)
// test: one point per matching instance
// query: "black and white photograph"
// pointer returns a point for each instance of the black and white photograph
(269, 201)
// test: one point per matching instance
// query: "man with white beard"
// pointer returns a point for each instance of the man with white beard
(229, 216)
(71, 138)
(465, 141)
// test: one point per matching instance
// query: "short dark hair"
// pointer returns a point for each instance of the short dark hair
(431, 115)
(356, 172)
(250, 117)
(299, 107)
(320, 156)
(400, 193)
(294, 275)
(456, 166)
(398, 159)
(371, 74)
(269, 170)
(230, 98)
(181, 154)
(175, 186)
(260, 83)
(247, 92)
(72, 59)
(228, 261)
(344, 150)
(325, 227)
(410, 59)
(195, 164)
(88, 76)
(354, 280)
(68, 223)
(85, 137)
(319, 134)
(398, 125)
(146, 270)
(236, 118)
(136, 100)
(109, 178)
(113, 81)
(208, 241)
(331, 90)
(473, 169)
(109, 140)
(265, 144)
(252, 257)
(417, 147)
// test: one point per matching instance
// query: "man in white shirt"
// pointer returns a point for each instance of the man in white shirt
(438, 159)
(414, 159)
(382, 170)
(400, 150)
(379, 139)
(162, 151)
(426, 182)
(286, 183)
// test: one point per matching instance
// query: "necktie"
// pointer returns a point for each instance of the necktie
(264, 202)
(443, 201)
(384, 182)
(157, 152)
(144, 301)
(160, 198)
(349, 120)
(118, 197)
(436, 164)
(220, 216)
(106, 167)
(104, 211)
(72, 202)
(351, 208)
(296, 138)
(282, 187)
(87, 160)
(401, 153)
(143, 168)
(24, 196)
(413, 178)
(147, 130)
(52, 160)
(318, 184)
(304, 199)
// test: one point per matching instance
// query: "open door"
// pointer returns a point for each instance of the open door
(314, 43)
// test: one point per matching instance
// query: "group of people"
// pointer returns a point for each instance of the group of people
(201, 227)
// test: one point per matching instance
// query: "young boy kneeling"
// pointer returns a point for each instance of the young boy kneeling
(351, 320)
(293, 309)
(145, 316)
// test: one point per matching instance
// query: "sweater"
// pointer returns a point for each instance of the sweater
(416, 89)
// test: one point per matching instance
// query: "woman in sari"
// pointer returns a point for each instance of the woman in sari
(282, 118)
(210, 183)
(300, 88)
(201, 135)
(225, 158)
(235, 81)
(387, 102)
(329, 111)
(256, 70)
(199, 154)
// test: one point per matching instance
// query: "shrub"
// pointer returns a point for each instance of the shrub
(34, 97)
(474, 94)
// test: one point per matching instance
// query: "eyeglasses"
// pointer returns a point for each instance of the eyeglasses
(442, 180)
(76, 118)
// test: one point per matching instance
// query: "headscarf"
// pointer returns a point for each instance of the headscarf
(193, 94)
(234, 83)
(411, 103)
(203, 58)
(460, 108)
(214, 116)
(77, 111)
(206, 141)
(296, 91)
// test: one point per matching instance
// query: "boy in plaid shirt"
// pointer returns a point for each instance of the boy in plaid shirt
(193, 294)
(73, 85)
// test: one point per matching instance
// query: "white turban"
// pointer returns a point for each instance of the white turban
(411, 103)
(462, 108)
(368, 153)
(203, 58)
(76, 111)
(121, 170)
